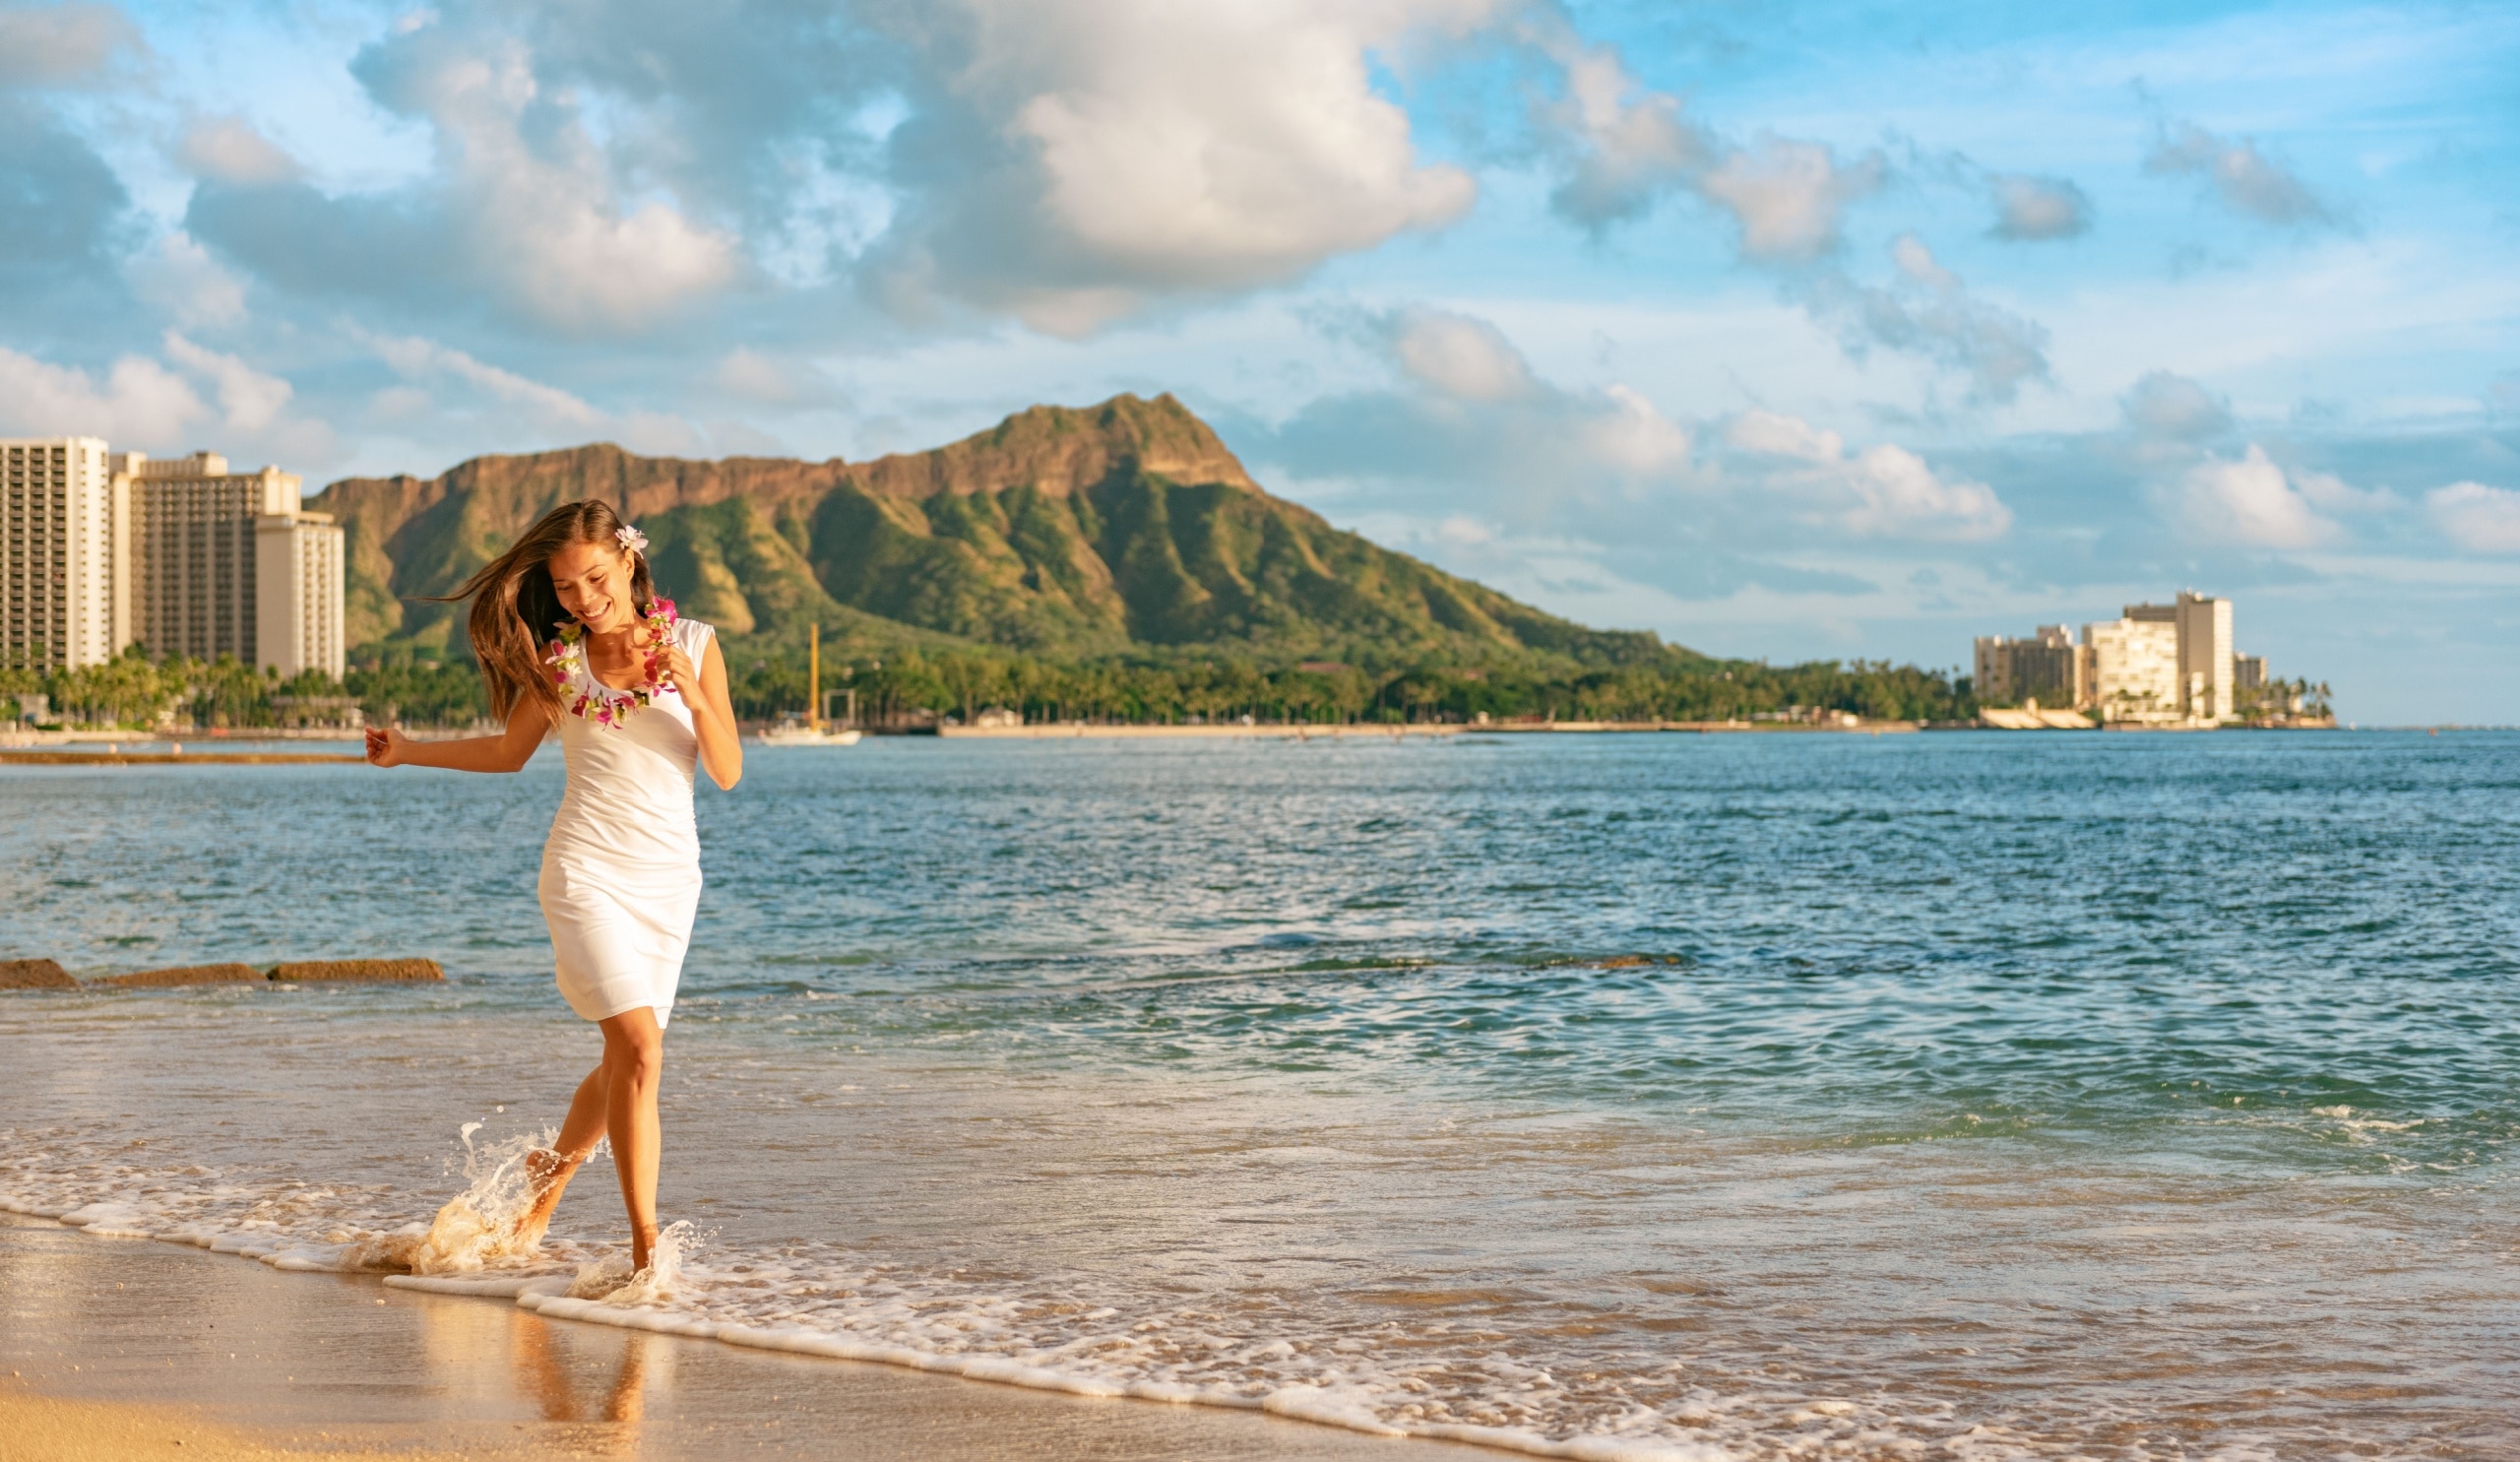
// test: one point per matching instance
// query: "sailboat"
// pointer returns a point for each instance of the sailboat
(811, 731)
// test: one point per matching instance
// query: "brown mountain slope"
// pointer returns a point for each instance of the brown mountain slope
(1058, 531)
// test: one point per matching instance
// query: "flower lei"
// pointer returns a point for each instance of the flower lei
(598, 702)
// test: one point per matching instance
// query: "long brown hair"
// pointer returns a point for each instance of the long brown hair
(516, 612)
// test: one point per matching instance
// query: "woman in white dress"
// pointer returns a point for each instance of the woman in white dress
(570, 633)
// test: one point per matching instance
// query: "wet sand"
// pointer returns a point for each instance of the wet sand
(124, 1348)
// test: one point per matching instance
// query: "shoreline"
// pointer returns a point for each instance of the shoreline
(116, 1339)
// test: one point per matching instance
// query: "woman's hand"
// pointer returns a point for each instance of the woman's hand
(676, 672)
(387, 747)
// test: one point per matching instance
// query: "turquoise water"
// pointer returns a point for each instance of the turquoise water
(1762, 1096)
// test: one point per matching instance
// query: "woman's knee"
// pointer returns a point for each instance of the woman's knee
(634, 1050)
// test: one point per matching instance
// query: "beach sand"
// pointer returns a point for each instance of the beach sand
(127, 1348)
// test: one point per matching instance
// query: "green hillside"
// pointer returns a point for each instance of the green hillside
(1073, 533)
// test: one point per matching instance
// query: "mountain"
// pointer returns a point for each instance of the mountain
(1060, 530)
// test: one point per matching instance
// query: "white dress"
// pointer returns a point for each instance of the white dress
(621, 870)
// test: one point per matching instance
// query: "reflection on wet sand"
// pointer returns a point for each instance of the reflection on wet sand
(580, 1393)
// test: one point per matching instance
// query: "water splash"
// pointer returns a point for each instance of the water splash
(485, 1226)
(611, 1281)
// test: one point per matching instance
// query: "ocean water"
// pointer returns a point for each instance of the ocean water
(1751, 1096)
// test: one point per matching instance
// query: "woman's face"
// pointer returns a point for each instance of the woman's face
(593, 581)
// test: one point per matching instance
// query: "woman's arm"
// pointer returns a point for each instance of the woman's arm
(713, 712)
(507, 751)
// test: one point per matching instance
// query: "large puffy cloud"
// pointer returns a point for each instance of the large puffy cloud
(1074, 162)
(2476, 517)
(2239, 175)
(524, 207)
(1882, 491)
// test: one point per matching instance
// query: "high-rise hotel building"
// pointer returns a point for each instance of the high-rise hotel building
(2160, 664)
(64, 593)
(227, 563)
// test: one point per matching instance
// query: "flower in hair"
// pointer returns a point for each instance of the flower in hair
(632, 540)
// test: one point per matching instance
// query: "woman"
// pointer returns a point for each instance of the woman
(569, 632)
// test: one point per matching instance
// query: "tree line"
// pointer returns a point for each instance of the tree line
(398, 684)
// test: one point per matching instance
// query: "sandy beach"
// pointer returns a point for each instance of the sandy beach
(126, 1347)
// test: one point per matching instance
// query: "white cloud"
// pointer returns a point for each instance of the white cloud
(1775, 434)
(1931, 312)
(179, 276)
(418, 360)
(2037, 209)
(744, 371)
(1635, 436)
(139, 400)
(250, 399)
(1151, 147)
(2244, 179)
(2250, 502)
(2174, 408)
(1884, 491)
(1460, 356)
(1631, 143)
(1790, 197)
(2333, 494)
(2476, 517)
(230, 150)
(51, 44)
(528, 196)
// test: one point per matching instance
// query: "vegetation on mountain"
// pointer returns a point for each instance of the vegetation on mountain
(1065, 533)
(1114, 562)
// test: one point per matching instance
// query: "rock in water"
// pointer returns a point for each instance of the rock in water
(231, 973)
(34, 974)
(310, 970)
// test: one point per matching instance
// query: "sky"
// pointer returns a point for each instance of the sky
(1786, 330)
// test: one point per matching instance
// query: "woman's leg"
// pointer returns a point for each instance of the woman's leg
(547, 1173)
(634, 1063)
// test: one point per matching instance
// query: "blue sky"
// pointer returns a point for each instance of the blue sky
(1796, 330)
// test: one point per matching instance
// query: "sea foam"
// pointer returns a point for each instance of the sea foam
(1015, 1332)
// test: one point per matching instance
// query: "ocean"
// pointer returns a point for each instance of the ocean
(1967, 1095)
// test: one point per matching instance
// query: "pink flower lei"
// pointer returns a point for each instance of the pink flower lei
(597, 701)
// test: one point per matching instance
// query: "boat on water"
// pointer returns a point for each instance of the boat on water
(798, 734)
(813, 730)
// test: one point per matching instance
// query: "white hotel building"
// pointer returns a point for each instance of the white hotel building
(2156, 665)
(181, 556)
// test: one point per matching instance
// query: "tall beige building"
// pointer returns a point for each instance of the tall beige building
(2162, 663)
(2205, 656)
(64, 592)
(299, 594)
(2047, 669)
(202, 540)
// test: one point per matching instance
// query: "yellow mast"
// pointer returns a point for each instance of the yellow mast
(814, 675)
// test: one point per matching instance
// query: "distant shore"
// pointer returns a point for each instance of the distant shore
(1302, 731)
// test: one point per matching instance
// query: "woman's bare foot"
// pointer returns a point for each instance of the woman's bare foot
(547, 1178)
(643, 1247)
